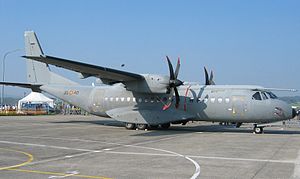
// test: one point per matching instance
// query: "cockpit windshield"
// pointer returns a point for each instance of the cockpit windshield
(263, 95)
(256, 96)
(272, 95)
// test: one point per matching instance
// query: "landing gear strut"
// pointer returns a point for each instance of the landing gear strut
(258, 130)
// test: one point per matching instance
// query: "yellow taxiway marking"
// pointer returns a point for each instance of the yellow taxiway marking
(30, 159)
(59, 174)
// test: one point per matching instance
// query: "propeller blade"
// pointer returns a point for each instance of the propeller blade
(206, 77)
(177, 68)
(211, 78)
(172, 76)
(177, 97)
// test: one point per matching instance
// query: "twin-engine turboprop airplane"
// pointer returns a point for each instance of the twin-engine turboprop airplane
(150, 100)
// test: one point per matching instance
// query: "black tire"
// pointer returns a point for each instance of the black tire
(258, 130)
(129, 126)
(141, 126)
(165, 126)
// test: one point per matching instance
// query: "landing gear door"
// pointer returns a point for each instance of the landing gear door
(239, 106)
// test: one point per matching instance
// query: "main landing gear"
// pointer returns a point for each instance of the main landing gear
(258, 129)
(132, 126)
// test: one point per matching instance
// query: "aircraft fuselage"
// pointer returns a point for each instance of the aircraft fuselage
(219, 103)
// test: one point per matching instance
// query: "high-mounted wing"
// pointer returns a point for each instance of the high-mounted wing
(106, 74)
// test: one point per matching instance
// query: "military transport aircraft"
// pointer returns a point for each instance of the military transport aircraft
(150, 100)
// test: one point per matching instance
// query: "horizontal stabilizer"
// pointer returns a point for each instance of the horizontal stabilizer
(33, 87)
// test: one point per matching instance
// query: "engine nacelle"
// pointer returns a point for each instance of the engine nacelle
(150, 84)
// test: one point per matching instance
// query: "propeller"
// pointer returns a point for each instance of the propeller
(174, 82)
(209, 80)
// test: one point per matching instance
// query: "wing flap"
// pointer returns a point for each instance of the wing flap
(88, 69)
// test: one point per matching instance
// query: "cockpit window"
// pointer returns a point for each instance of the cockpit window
(256, 96)
(272, 95)
(264, 96)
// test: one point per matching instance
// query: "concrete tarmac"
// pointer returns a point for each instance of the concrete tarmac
(93, 147)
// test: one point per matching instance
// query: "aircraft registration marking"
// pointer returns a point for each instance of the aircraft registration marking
(71, 92)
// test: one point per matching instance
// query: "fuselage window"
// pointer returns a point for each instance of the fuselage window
(198, 100)
(220, 100)
(152, 99)
(140, 100)
(205, 99)
(117, 99)
(212, 100)
(191, 100)
(227, 100)
(111, 99)
(146, 100)
(133, 99)
(106, 99)
(128, 99)
(256, 96)
(122, 99)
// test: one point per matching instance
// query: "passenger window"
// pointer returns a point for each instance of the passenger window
(256, 96)
(152, 99)
(191, 100)
(212, 100)
(220, 100)
(227, 100)
(198, 100)
(133, 99)
(111, 99)
(128, 99)
(206, 99)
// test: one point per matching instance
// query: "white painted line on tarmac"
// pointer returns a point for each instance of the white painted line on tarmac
(47, 146)
(243, 159)
(68, 174)
(297, 166)
(197, 171)
(195, 174)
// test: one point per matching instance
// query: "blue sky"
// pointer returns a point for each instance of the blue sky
(244, 42)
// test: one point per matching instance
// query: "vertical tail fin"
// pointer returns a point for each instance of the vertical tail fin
(38, 72)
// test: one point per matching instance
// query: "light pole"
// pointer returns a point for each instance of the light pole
(3, 72)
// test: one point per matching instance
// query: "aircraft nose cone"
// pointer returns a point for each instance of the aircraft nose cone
(294, 113)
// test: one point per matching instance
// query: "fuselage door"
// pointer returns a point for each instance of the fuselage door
(239, 106)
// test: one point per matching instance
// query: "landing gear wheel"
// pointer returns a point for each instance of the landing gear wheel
(141, 126)
(165, 126)
(129, 126)
(258, 130)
